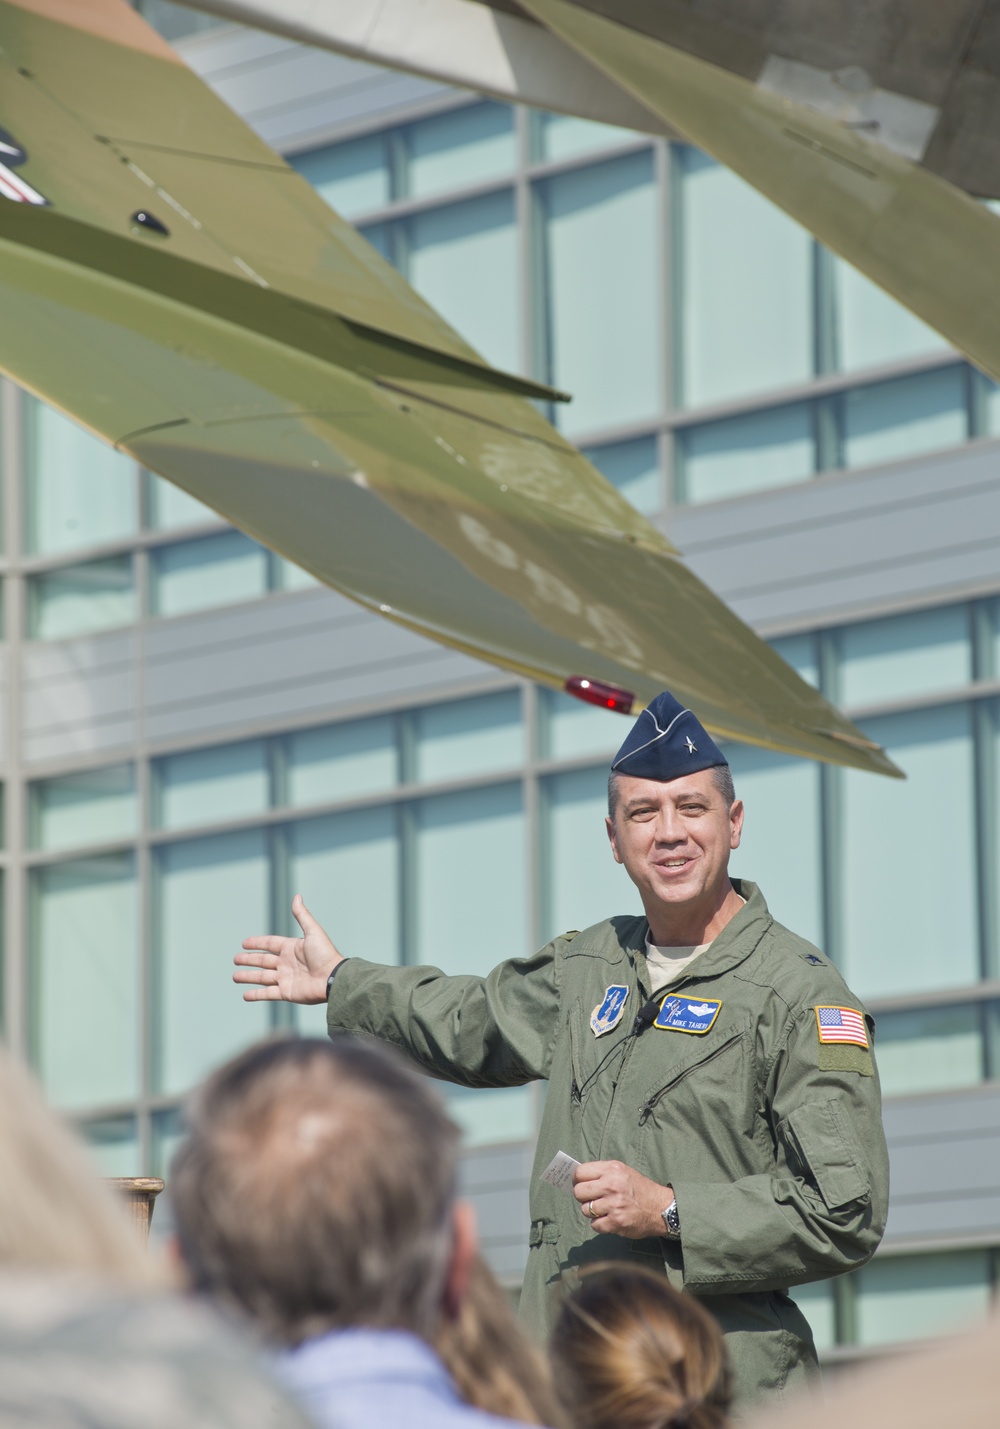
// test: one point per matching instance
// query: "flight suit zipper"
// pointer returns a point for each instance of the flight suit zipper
(648, 1106)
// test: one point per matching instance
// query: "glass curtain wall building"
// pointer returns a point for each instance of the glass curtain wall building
(157, 809)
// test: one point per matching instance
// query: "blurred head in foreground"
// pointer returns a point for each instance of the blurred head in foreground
(493, 1365)
(630, 1352)
(316, 1191)
(83, 1342)
(55, 1214)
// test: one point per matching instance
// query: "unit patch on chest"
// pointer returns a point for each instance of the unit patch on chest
(608, 1012)
(682, 1014)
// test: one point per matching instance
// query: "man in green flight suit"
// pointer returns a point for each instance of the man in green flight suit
(710, 1070)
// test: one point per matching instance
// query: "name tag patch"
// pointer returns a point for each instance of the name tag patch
(683, 1014)
(608, 1012)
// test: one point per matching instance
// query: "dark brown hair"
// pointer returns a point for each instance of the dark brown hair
(493, 1364)
(630, 1352)
(315, 1189)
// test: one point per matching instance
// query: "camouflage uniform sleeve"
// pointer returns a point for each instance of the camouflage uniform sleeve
(822, 1209)
(494, 1031)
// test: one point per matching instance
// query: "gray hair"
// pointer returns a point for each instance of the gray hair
(316, 1187)
(722, 778)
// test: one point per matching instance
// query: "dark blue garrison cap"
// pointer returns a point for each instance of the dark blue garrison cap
(666, 742)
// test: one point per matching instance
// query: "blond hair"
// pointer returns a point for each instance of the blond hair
(492, 1363)
(55, 1214)
(630, 1352)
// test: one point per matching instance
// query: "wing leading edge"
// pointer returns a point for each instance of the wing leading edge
(282, 373)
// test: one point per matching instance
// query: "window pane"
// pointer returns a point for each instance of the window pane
(743, 287)
(463, 260)
(464, 146)
(990, 731)
(816, 1303)
(346, 867)
(114, 1145)
(570, 728)
(466, 847)
(781, 844)
(171, 506)
(210, 894)
(582, 883)
(900, 928)
(563, 136)
(215, 570)
(799, 651)
(904, 655)
(901, 1297)
(81, 600)
(991, 658)
(601, 261)
(746, 454)
(468, 737)
(210, 785)
(85, 980)
(903, 418)
(929, 1050)
(379, 235)
(469, 845)
(174, 22)
(341, 760)
(634, 467)
(80, 490)
(289, 576)
(352, 177)
(168, 1133)
(94, 806)
(871, 326)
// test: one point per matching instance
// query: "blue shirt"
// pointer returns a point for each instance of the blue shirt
(377, 1379)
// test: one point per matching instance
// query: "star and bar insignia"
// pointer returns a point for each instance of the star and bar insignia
(841, 1024)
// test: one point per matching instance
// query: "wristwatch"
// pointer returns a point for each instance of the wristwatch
(672, 1220)
(329, 981)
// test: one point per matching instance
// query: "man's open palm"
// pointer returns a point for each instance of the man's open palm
(288, 969)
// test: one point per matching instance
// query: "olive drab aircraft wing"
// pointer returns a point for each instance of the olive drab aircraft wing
(167, 280)
(872, 122)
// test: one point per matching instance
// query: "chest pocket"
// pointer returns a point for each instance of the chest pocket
(596, 1059)
(700, 1121)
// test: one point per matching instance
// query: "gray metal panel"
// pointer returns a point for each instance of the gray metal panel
(496, 1180)
(309, 653)
(944, 1151)
(78, 696)
(832, 548)
(945, 1157)
(292, 93)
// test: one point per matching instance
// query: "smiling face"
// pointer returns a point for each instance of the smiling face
(674, 840)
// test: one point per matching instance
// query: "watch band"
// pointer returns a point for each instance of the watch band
(672, 1220)
(329, 981)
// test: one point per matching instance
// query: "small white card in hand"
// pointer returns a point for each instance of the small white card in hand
(559, 1172)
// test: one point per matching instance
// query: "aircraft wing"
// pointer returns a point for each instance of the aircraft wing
(919, 237)
(168, 281)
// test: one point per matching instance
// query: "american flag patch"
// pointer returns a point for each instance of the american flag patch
(841, 1024)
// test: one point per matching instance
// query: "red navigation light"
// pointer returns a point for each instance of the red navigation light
(596, 692)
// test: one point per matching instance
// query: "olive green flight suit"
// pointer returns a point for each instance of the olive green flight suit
(771, 1140)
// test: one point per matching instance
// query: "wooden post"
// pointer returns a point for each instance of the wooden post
(140, 1192)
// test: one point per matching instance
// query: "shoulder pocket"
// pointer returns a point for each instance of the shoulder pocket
(830, 1155)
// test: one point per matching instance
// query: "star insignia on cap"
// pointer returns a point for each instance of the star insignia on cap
(692, 747)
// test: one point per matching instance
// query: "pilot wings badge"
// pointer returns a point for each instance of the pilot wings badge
(608, 1012)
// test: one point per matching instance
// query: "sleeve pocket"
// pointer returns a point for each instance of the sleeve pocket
(830, 1152)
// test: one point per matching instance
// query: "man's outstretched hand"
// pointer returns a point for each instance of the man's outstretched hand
(288, 969)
